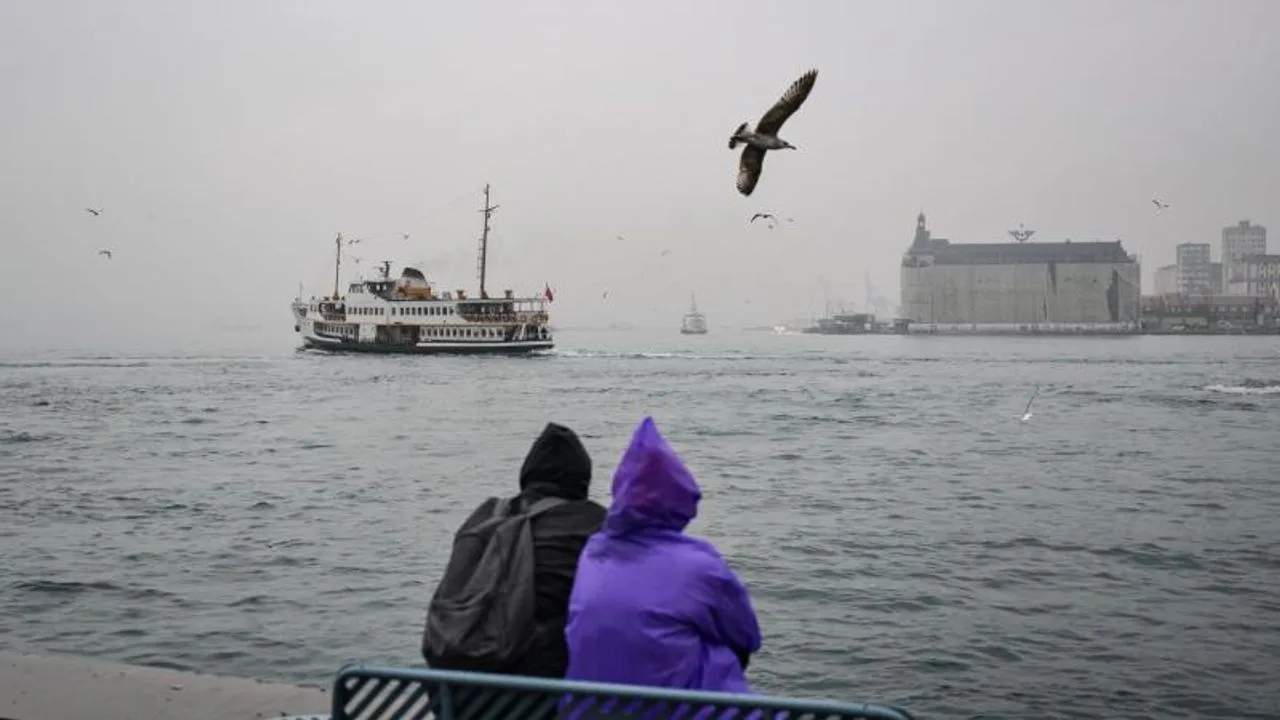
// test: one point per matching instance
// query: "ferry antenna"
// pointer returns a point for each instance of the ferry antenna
(337, 264)
(484, 240)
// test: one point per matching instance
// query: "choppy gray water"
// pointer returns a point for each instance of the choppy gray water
(905, 537)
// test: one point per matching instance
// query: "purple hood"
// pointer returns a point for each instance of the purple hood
(652, 489)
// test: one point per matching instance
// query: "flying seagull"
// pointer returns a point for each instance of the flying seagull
(93, 212)
(105, 252)
(765, 135)
(405, 235)
(1159, 205)
(757, 216)
(1026, 414)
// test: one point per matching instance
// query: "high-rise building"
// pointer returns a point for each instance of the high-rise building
(1166, 280)
(1195, 272)
(1240, 241)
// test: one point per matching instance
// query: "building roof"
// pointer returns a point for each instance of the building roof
(1007, 253)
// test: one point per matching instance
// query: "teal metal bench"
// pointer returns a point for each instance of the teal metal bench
(371, 692)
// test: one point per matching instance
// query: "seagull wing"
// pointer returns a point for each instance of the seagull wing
(749, 169)
(790, 101)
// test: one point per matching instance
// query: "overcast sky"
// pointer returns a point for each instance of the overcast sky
(228, 141)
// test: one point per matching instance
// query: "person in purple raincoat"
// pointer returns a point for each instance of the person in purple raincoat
(651, 605)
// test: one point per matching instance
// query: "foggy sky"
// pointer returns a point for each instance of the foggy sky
(228, 142)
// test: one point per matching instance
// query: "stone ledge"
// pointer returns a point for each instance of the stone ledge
(69, 687)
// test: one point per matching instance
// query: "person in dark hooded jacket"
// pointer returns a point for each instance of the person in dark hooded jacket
(557, 465)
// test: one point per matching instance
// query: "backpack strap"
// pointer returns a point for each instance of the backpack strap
(542, 505)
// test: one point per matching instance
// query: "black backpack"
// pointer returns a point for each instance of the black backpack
(481, 617)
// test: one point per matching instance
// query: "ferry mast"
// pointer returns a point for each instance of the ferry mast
(484, 240)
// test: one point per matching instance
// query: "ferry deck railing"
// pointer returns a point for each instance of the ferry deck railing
(373, 692)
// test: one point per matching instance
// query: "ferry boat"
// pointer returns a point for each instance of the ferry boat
(694, 322)
(408, 315)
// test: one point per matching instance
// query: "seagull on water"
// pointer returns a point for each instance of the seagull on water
(105, 252)
(93, 212)
(1026, 414)
(765, 135)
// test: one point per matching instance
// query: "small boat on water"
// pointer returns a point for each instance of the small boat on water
(694, 322)
(408, 315)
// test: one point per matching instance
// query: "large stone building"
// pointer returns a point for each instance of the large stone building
(1019, 286)
(1239, 242)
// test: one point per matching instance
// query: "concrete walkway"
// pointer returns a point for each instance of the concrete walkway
(68, 687)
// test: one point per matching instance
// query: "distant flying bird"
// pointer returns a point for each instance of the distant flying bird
(621, 238)
(93, 212)
(405, 235)
(1159, 205)
(765, 135)
(664, 253)
(757, 216)
(105, 252)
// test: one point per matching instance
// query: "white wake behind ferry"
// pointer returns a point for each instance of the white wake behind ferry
(408, 315)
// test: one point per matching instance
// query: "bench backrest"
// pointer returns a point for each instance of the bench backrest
(371, 692)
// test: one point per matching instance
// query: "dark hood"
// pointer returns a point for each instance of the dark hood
(557, 465)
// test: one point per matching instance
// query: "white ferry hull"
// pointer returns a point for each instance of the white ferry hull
(517, 347)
